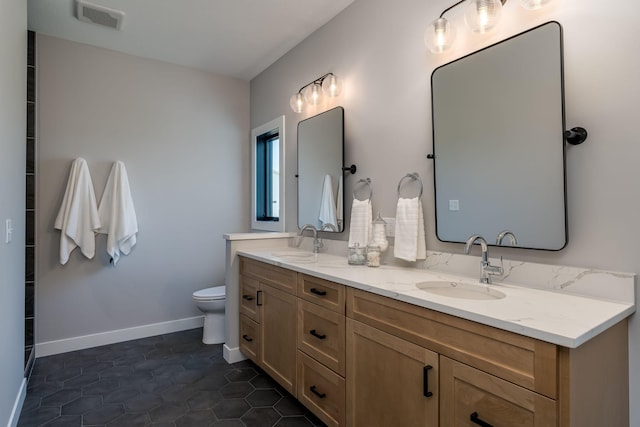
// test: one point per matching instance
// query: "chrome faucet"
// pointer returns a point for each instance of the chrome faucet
(486, 269)
(317, 243)
(506, 233)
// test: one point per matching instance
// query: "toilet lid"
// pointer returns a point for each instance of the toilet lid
(217, 292)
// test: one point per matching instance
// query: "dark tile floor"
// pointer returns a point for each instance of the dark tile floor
(166, 380)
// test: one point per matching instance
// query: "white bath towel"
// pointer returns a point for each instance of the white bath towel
(340, 205)
(117, 214)
(360, 226)
(410, 243)
(78, 217)
(327, 213)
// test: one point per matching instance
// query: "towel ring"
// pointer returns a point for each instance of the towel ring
(414, 177)
(367, 182)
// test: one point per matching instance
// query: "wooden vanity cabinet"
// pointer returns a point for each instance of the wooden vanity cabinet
(268, 311)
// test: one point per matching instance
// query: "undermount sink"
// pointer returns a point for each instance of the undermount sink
(296, 256)
(454, 289)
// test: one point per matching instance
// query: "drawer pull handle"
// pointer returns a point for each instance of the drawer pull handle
(425, 381)
(317, 335)
(247, 297)
(247, 338)
(476, 420)
(315, 391)
(258, 299)
(318, 292)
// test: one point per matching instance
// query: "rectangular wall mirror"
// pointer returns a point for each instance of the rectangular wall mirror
(267, 183)
(320, 161)
(498, 144)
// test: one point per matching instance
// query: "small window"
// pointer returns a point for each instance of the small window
(267, 196)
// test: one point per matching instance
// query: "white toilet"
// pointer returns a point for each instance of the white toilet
(211, 302)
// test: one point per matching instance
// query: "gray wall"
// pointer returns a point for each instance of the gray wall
(183, 136)
(13, 83)
(376, 47)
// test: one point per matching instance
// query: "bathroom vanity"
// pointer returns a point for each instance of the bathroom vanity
(363, 346)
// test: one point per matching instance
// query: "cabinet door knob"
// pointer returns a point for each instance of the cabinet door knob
(318, 292)
(247, 338)
(476, 420)
(425, 381)
(317, 335)
(315, 391)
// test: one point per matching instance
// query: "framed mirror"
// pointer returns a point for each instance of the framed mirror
(320, 162)
(498, 143)
(267, 180)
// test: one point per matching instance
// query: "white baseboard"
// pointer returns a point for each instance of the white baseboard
(87, 341)
(17, 406)
(232, 355)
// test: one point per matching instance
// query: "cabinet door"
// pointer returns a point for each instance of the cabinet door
(249, 298)
(279, 336)
(390, 381)
(472, 398)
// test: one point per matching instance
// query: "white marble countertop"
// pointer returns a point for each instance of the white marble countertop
(554, 316)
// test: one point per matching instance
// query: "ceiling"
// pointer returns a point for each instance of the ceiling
(238, 38)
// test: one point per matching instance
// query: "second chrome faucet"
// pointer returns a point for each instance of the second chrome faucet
(486, 269)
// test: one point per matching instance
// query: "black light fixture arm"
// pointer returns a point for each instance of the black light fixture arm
(319, 80)
(461, 1)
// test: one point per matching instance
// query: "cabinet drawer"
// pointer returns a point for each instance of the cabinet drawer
(321, 334)
(322, 292)
(250, 338)
(468, 394)
(525, 361)
(321, 390)
(249, 298)
(278, 277)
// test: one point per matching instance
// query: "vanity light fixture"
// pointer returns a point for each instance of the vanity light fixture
(480, 16)
(313, 92)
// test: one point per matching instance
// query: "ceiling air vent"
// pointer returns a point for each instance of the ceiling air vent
(100, 15)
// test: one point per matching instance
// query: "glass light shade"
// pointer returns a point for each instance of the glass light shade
(331, 85)
(483, 15)
(534, 4)
(297, 103)
(313, 93)
(439, 35)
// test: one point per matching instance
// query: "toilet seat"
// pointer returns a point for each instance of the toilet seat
(208, 294)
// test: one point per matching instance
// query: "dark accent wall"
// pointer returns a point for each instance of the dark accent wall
(30, 205)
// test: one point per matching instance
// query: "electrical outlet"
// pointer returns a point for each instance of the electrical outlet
(391, 226)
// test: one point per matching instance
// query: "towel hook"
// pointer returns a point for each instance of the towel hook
(414, 177)
(367, 182)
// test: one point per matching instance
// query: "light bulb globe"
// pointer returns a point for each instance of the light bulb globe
(297, 103)
(331, 86)
(313, 93)
(439, 35)
(483, 15)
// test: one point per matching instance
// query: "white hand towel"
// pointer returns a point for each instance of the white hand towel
(410, 243)
(117, 214)
(339, 205)
(361, 217)
(78, 217)
(327, 213)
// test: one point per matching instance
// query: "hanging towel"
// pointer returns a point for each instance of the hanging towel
(78, 218)
(410, 244)
(117, 214)
(327, 213)
(361, 217)
(340, 205)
